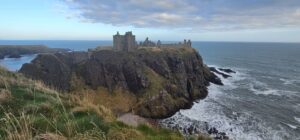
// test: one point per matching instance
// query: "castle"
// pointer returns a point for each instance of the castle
(124, 42)
(128, 43)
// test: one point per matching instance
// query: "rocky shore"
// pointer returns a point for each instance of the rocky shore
(16, 51)
(189, 126)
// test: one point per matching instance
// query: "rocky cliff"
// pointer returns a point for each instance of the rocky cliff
(163, 80)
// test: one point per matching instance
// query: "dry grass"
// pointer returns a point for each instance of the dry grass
(4, 95)
(17, 128)
(152, 49)
(9, 78)
(85, 103)
(125, 134)
(49, 136)
(119, 101)
(58, 119)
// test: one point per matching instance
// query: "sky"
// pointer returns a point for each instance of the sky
(171, 20)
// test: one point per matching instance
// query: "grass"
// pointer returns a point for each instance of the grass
(31, 110)
(156, 80)
(118, 101)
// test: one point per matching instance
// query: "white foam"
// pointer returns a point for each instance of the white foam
(236, 128)
(231, 82)
(288, 81)
(208, 110)
(265, 92)
(260, 88)
(290, 125)
(297, 119)
(236, 125)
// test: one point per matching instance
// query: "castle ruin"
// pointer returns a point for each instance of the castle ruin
(128, 43)
(124, 42)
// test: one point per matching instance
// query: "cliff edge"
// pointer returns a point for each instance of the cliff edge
(163, 80)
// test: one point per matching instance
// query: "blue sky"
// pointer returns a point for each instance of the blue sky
(173, 20)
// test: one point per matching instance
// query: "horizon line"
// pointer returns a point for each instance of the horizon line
(221, 41)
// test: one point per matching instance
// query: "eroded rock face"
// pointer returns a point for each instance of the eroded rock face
(164, 80)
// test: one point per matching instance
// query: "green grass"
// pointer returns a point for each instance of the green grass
(159, 134)
(156, 82)
(34, 110)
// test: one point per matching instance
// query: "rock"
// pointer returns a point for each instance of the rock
(171, 78)
(132, 120)
(211, 77)
(16, 51)
(49, 68)
(14, 56)
(227, 70)
(2, 56)
(213, 69)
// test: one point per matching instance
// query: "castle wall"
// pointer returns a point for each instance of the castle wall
(130, 43)
(118, 42)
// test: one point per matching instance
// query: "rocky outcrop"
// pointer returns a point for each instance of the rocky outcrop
(213, 69)
(227, 70)
(15, 51)
(164, 80)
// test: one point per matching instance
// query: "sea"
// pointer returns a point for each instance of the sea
(261, 101)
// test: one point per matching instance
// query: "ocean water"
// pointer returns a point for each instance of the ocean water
(14, 64)
(260, 102)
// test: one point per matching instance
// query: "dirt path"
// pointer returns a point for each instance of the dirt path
(132, 120)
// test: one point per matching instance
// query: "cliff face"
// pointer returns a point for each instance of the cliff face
(163, 80)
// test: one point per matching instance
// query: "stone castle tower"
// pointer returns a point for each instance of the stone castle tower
(124, 42)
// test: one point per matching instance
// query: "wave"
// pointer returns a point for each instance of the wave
(216, 111)
(297, 119)
(265, 90)
(289, 82)
(261, 88)
(290, 125)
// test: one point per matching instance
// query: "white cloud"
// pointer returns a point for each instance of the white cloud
(192, 14)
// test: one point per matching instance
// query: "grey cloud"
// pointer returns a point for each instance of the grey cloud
(192, 14)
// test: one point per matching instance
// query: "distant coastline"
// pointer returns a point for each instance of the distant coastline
(16, 51)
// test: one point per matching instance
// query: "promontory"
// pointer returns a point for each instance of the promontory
(154, 79)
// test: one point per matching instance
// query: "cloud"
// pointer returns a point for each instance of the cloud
(189, 14)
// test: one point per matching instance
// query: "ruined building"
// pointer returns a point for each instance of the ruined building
(127, 43)
(187, 43)
(148, 43)
(124, 42)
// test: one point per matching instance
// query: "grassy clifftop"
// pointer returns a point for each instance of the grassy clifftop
(31, 110)
(155, 82)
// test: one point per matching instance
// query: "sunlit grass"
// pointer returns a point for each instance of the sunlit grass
(30, 110)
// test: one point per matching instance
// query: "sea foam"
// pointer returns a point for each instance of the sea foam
(214, 111)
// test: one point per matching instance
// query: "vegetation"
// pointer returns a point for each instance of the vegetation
(30, 110)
